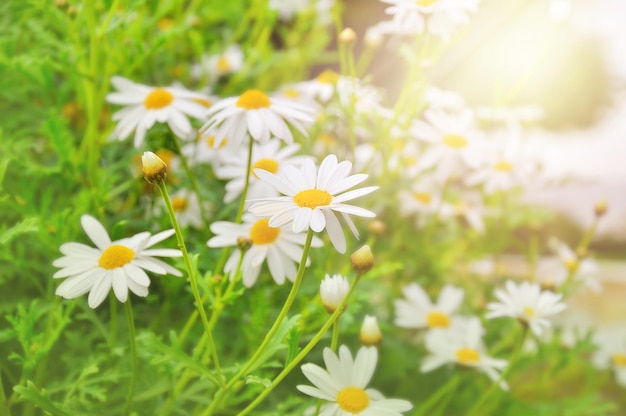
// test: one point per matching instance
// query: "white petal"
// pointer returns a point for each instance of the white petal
(95, 231)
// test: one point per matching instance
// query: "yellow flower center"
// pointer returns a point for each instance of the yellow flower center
(425, 3)
(223, 64)
(312, 198)
(203, 102)
(291, 93)
(423, 197)
(619, 359)
(179, 203)
(353, 400)
(455, 141)
(467, 356)
(503, 166)
(437, 320)
(571, 265)
(166, 156)
(253, 100)
(529, 311)
(211, 141)
(328, 77)
(115, 256)
(262, 233)
(158, 98)
(269, 165)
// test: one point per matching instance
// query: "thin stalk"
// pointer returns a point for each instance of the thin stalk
(132, 337)
(438, 395)
(474, 409)
(281, 316)
(192, 278)
(113, 321)
(334, 340)
(331, 321)
(5, 408)
(246, 185)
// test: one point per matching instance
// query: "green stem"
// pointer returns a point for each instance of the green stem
(192, 278)
(437, 395)
(474, 409)
(335, 337)
(281, 316)
(244, 194)
(332, 320)
(113, 322)
(5, 408)
(132, 337)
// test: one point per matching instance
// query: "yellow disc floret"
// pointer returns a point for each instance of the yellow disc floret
(425, 3)
(437, 320)
(262, 233)
(253, 100)
(179, 203)
(312, 198)
(328, 77)
(455, 141)
(619, 359)
(116, 256)
(157, 99)
(503, 166)
(467, 356)
(353, 400)
(269, 165)
(423, 197)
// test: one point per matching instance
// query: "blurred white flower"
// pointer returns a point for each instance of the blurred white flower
(112, 264)
(281, 248)
(468, 207)
(187, 208)
(344, 383)
(219, 65)
(424, 198)
(333, 290)
(436, 98)
(145, 105)
(527, 303)
(288, 9)
(437, 17)
(611, 353)
(256, 114)
(233, 164)
(454, 143)
(553, 272)
(312, 196)
(417, 311)
(462, 344)
(323, 86)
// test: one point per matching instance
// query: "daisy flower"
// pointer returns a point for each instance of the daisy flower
(280, 247)
(323, 86)
(233, 164)
(462, 344)
(453, 142)
(468, 208)
(111, 264)
(312, 198)
(424, 198)
(257, 114)
(437, 17)
(553, 272)
(370, 334)
(146, 105)
(527, 303)
(219, 65)
(417, 311)
(344, 382)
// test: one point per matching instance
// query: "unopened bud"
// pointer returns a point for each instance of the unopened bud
(362, 260)
(370, 334)
(244, 243)
(600, 208)
(347, 36)
(153, 167)
(377, 227)
(333, 290)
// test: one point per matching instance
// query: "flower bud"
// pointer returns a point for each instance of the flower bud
(362, 260)
(333, 290)
(600, 208)
(347, 36)
(153, 167)
(378, 227)
(373, 38)
(370, 334)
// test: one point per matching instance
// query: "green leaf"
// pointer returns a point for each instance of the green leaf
(40, 398)
(258, 380)
(276, 343)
